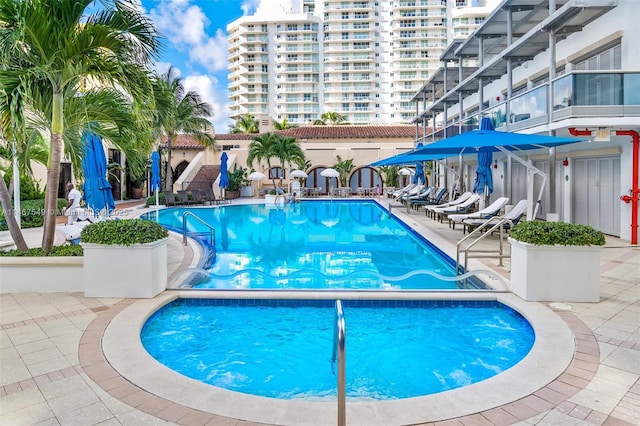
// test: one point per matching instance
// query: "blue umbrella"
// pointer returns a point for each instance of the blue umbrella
(419, 177)
(155, 173)
(483, 171)
(483, 174)
(224, 177)
(97, 190)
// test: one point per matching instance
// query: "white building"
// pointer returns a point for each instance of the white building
(564, 68)
(296, 59)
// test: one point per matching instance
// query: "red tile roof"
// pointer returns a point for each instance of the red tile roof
(312, 132)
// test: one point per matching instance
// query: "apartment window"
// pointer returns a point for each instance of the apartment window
(345, 15)
(345, 65)
(345, 106)
(345, 36)
(292, 27)
(265, 68)
(360, 46)
(361, 15)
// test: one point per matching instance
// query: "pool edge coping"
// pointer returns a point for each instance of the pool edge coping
(541, 367)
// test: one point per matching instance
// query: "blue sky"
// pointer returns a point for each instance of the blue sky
(195, 43)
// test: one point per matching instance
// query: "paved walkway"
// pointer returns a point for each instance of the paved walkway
(53, 371)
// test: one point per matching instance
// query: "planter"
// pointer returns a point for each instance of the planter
(543, 273)
(230, 195)
(136, 193)
(48, 274)
(269, 199)
(136, 271)
(246, 191)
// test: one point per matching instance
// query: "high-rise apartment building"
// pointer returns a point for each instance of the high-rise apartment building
(297, 59)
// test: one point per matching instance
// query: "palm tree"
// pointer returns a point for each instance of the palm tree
(245, 124)
(179, 111)
(344, 167)
(283, 125)
(263, 147)
(50, 46)
(288, 151)
(331, 117)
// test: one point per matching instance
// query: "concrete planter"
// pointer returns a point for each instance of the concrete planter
(246, 191)
(41, 274)
(555, 273)
(137, 271)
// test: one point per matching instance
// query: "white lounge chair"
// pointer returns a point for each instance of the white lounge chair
(461, 198)
(463, 207)
(491, 210)
(515, 215)
(398, 192)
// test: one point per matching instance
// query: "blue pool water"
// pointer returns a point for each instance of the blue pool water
(315, 245)
(282, 348)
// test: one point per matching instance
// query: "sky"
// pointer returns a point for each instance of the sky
(195, 43)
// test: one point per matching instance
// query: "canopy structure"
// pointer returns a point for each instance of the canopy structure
(484, 139)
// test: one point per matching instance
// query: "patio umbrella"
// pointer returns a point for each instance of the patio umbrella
(298, 174)
(419, 176)
(224, 177)
(256, 176)
(155, 173)
(97, 190)
(330, 173)
(484, 179)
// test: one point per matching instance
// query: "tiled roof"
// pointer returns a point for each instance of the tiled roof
(183, 142)
(311, 132)
(351, 132)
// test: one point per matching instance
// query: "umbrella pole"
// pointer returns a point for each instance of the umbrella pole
(157, 199)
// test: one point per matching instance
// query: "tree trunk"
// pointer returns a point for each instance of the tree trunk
(169, 174)
(51, 193)
(14, 229)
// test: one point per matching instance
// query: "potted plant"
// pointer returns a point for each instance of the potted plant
(555, 261)
(237, 179)
(124, 258)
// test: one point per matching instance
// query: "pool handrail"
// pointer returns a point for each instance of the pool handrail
(212, 231)
(338, 352)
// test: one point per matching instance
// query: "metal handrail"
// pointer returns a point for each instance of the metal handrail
(338, 352)
(494, 225)
(212, 232)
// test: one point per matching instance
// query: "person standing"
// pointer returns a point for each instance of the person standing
(73, 203)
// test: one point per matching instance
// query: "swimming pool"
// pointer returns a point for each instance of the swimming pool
(282, 348)
(319, 245)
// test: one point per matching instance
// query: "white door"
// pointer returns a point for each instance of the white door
(596, 189)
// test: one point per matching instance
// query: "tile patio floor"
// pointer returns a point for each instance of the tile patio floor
(53, 372)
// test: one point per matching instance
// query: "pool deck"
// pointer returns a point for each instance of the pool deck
(64, 362)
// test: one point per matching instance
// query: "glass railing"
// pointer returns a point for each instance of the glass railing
(584, 88)
(529, 105)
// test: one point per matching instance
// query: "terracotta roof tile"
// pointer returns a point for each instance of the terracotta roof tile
(183, 142)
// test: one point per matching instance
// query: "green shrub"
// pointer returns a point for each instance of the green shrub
(556, 233)
(66, 250)
(31, 213)
(151, 201)
(123, 232)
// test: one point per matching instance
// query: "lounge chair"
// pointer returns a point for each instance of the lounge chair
(170, 199)
(429, 210)
(515, 215)
(184, 199)
(491, 210)
(413, 191)
(399, 192)
(423, 195)
(441, 212)
(198, 197)
(429, 201)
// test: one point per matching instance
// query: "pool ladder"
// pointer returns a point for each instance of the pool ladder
(478, 253)
(212, 231)
(338, 353)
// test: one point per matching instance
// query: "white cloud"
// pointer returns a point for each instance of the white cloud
(249, 6)
(210, 91)
(184, 26)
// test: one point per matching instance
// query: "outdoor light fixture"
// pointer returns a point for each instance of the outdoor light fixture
(565, 162)
(495, 164)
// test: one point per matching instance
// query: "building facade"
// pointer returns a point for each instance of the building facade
(563, 68)
(365, 59)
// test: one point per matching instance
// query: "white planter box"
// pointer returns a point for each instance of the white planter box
(269, 199)
(246, 191)
(555, 273)
(137, 271)
(41, 274)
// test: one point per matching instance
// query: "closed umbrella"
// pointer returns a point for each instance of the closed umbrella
(155, 173)
(224, 177)
(97, 190)
(419, 177)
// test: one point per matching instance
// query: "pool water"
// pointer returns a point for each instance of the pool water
(315, 245)
(282, 348)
